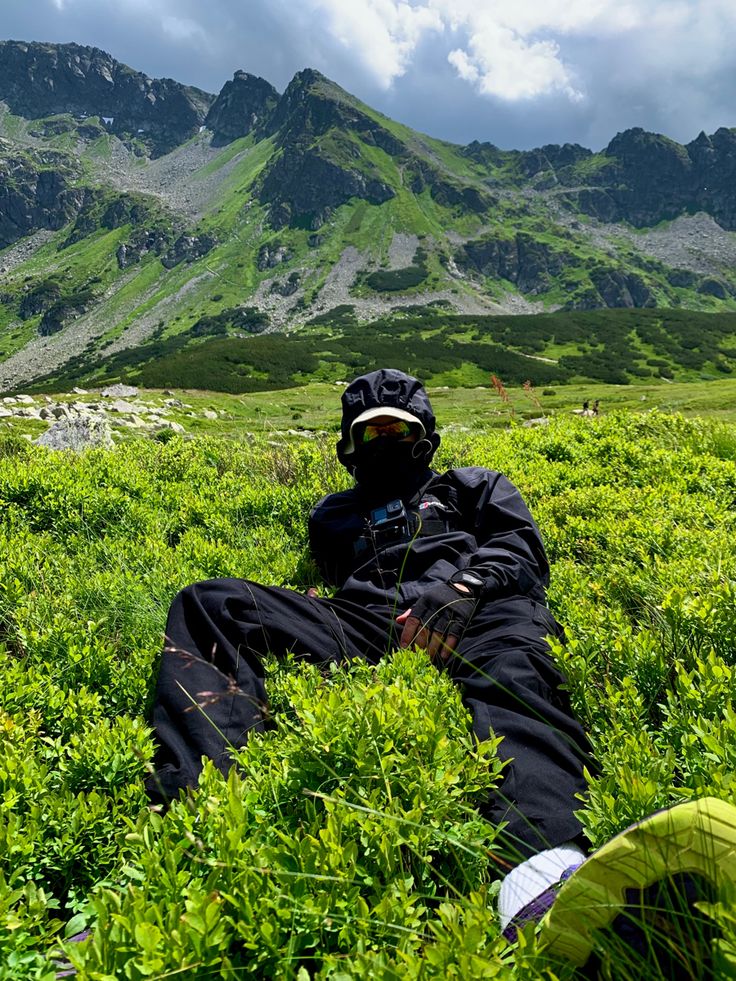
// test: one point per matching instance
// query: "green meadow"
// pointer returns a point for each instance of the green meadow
(346, 843)
(313, 409)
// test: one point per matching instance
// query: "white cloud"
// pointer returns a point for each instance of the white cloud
(504, 64)
(165, 13)
(511, 50)
(181, 28)
(515, 50)
(508, 50)
(464, 66)
(381, 34)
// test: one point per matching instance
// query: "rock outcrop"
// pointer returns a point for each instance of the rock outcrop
(36, 191)
(611, 287)
(67, 308)
(244, 104)
(531, 265)
(304, 186)
(141, 242)
(119, 391)
(39, 299)
(521, 260)
(272, 254)
(188, 248)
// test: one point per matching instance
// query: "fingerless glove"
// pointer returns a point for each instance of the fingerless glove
(443, 609)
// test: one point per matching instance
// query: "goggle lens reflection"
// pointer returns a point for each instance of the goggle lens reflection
(397, 429)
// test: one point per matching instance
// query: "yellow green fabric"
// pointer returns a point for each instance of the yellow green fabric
(697, 837)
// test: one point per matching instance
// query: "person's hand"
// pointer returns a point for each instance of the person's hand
(437, 620)
(313, 592)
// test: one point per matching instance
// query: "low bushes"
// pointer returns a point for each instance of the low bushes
(347, 845)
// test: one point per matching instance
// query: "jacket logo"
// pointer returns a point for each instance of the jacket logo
(433, 502)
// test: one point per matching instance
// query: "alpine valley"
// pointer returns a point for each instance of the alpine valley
(153, 232)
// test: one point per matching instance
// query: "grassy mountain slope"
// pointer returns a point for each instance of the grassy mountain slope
(324, 203)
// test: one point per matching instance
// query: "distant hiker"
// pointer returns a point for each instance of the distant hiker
(451, 562)
(586, 406)
(596, 407)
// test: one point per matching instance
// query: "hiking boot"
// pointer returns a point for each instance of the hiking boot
(63, 968)
(644, 888)
(535, 910)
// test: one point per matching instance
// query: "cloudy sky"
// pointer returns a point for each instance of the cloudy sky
(518, 73)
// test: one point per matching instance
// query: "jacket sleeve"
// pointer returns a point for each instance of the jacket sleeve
(335, 525)
(510, 557)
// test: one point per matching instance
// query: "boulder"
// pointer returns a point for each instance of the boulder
(126, 408)
(77, 433)
(272, 255)
(188, 248)
(119, 391)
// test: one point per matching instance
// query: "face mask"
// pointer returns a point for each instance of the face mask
(389, 466)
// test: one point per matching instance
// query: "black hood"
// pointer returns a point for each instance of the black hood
(387, 388)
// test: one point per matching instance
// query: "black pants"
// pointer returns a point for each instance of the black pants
(210, 692)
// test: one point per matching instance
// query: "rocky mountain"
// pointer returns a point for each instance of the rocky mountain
(39, 80)
(644, 178)
(245, 104)
(138, 211)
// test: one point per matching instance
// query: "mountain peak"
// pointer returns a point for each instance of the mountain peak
(311, 103)
(308, 77)
(637, 141)
(244, 104)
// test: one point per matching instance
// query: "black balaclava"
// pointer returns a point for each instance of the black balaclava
(385, 467)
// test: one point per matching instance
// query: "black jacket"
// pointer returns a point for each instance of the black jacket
(467, 518)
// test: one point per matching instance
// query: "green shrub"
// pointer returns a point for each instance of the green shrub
(347, 843)
(396, 280)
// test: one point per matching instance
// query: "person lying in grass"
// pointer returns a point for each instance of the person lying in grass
(450, 562)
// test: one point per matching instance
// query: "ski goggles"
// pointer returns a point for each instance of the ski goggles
(395, 429)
